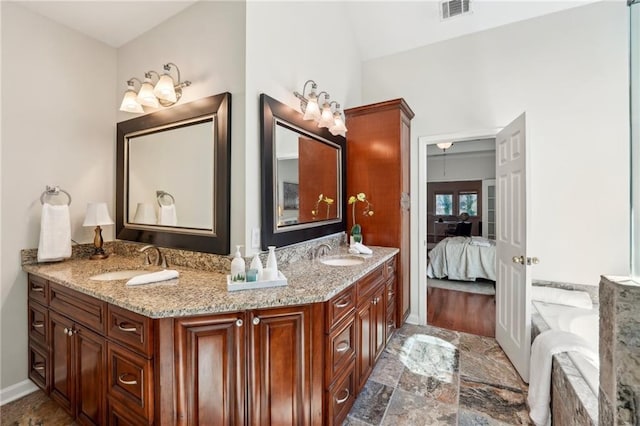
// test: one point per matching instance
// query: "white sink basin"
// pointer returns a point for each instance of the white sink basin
(124, 274)
(342, 260)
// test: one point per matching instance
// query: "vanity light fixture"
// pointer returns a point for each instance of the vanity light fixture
(328, 116)
(165, 92)
(97, 215)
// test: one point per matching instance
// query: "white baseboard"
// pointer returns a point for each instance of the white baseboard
(13, 392)
(414, 319)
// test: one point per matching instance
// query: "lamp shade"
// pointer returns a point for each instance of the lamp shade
(145, 213)
(312, 112)
(165, 89)
(130, 101)
(146, 96)
(338, 127)
(444, 145)
(97, 215)
(326, 118)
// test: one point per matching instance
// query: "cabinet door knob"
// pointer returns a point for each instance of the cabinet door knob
(123, 327)
(68, 331)
(256, 321)
(342, 400)
(126, 382)
(239, 323)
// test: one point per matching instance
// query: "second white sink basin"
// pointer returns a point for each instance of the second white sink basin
(342, 261)
(124, 274)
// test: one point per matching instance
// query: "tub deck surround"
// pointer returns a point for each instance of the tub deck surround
(198, 292)
(572, 400)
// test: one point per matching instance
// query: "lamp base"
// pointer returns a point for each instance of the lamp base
(98, 252)
(97, 256)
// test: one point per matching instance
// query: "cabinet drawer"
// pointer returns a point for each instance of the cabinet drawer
(39, 367)
(130, 380)
(340, 347)
(119, 415)
(391, 292)
(341, 396)
(130, 329)
(38, 289)
(369, 283)
(391, 321)
(340, 306)
(38, 323)
(84, 309)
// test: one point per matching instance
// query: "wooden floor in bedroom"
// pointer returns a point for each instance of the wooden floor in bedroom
(456, 310)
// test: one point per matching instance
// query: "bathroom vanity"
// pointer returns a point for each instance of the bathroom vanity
(188, 352)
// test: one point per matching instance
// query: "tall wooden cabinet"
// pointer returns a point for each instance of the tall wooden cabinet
(378, 148)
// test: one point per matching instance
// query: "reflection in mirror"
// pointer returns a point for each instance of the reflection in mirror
(173, 176)
(170, 175)
(307, 178)
(303, 181)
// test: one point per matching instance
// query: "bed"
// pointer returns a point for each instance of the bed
(463, 259)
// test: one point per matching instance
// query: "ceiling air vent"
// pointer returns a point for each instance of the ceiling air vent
(451, 8)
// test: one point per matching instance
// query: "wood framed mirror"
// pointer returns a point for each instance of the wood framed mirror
(303, 177)
(173, 176)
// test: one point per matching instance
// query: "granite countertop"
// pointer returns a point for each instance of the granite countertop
(198, 292)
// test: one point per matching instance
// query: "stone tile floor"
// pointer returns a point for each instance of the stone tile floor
(431, 376)
(425, 376)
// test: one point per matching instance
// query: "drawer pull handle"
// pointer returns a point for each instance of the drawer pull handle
(123, 327)
(38, 366)
(342, 304)
(37, 289)
(37, 324)
(126, 382)
(239, 323)
(343, 346)
(342, 400)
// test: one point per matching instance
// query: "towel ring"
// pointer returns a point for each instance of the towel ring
(161, 194)
(54, 190)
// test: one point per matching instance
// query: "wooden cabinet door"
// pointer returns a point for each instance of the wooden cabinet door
(380, 322)
(62, 360)
(365, 332)
(90, 373)
(285, 386)
(210, 368)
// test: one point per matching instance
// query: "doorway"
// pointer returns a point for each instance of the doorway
(460, 201)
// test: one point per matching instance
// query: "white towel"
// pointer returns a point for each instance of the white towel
(167, 215)
(154, 277)
(55, 233)
(547, 344)
(579, 299)
(361, 248)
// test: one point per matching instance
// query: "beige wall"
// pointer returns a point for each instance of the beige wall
(58, 92)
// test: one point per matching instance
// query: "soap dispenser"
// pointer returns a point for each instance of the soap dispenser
(270, 273)
(237, 266)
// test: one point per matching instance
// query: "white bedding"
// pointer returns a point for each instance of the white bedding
(463, 259)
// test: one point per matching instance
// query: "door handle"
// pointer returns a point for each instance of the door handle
(518, 259)
(532, 260)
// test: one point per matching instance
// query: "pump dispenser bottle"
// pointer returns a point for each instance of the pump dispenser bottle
(237, 266)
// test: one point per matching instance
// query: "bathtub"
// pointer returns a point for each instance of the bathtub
(583, 322)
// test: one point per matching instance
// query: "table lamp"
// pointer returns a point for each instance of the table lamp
(97, 215)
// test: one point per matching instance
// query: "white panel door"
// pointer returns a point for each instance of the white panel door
(513, 285)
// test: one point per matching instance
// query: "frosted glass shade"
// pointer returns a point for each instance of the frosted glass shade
(338, 127)
(146, 96)
(165, 89)
(145, 213)
(444, 145)
(313, 110)
(97, 215)
(326, 118)
(130, 102)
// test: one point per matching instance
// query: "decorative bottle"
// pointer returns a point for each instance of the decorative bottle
(256, 264)
(237, 266)
(271, 271)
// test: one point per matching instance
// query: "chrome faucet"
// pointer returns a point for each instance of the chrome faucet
(160, 259)
(321, 250)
